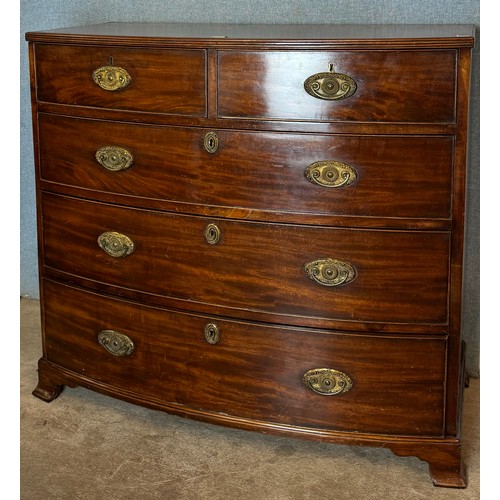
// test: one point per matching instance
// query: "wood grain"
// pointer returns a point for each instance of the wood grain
(255, 371)
(392, 86)
(163, 81)
(254, 266)
(370, 36)
(398, 176)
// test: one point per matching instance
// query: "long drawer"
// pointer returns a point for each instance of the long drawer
(298, 271)
(365, 86)
(385, 176)
(253, 371)
(169, 81)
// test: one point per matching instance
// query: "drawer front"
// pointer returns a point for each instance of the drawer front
(252, 371)
(389, 86)
(386, 176)
(164, 81)
(387, 276)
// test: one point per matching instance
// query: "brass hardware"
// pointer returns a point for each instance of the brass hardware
(330, 272)
(330, 86)
(327, 382)
(330, 173)
(212, 234)
(111, 77)
(114, 158)
(115, 244)
(116, 343)
(212, 333)
(211, 142)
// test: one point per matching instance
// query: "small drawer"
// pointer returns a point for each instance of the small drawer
(257, 372)
(373, 176)
(171, 81)
(281, 269)
(375, 86)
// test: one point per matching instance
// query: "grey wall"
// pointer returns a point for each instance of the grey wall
(48, 14)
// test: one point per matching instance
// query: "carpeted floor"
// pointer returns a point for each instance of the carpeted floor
(85, 446)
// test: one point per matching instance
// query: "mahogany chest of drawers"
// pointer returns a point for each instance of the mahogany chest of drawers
(258, 226)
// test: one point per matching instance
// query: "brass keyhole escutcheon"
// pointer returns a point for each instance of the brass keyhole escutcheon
(211, 142)
(212, 333)
(212, 234)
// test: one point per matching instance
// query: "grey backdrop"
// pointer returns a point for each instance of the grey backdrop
(48, 14)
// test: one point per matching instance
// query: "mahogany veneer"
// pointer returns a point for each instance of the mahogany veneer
(261, 227)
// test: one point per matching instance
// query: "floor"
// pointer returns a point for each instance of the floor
(85, 446)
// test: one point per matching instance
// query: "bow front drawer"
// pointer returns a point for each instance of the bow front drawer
(169, 81)
(253, 371)
(280, 269)
(374, 176)
(375, 86)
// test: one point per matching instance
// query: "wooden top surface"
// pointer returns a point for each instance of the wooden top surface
(342, 35)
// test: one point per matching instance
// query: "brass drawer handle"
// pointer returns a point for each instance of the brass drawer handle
(114, 158)
(212, 234)
(111, 77)
(331, 174)
(327, 382)
(211, 142)
(330, 272)
(330, 86)
(115, 244)
(212, 333)
(116, 343)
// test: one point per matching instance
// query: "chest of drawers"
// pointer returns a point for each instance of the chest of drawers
(258, 226)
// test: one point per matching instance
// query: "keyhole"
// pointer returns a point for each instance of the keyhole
(212, 234)
(212, 333)
(110, 60)
(211, 142)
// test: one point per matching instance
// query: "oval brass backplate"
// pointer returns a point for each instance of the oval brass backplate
(330, 86)
(116, 343)
(331, 174)
(212, 333)
(115, 244)
(211, 142)
(330, 272)
(111, 78)
(212, 234)
(327, 381)
(114, 158)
